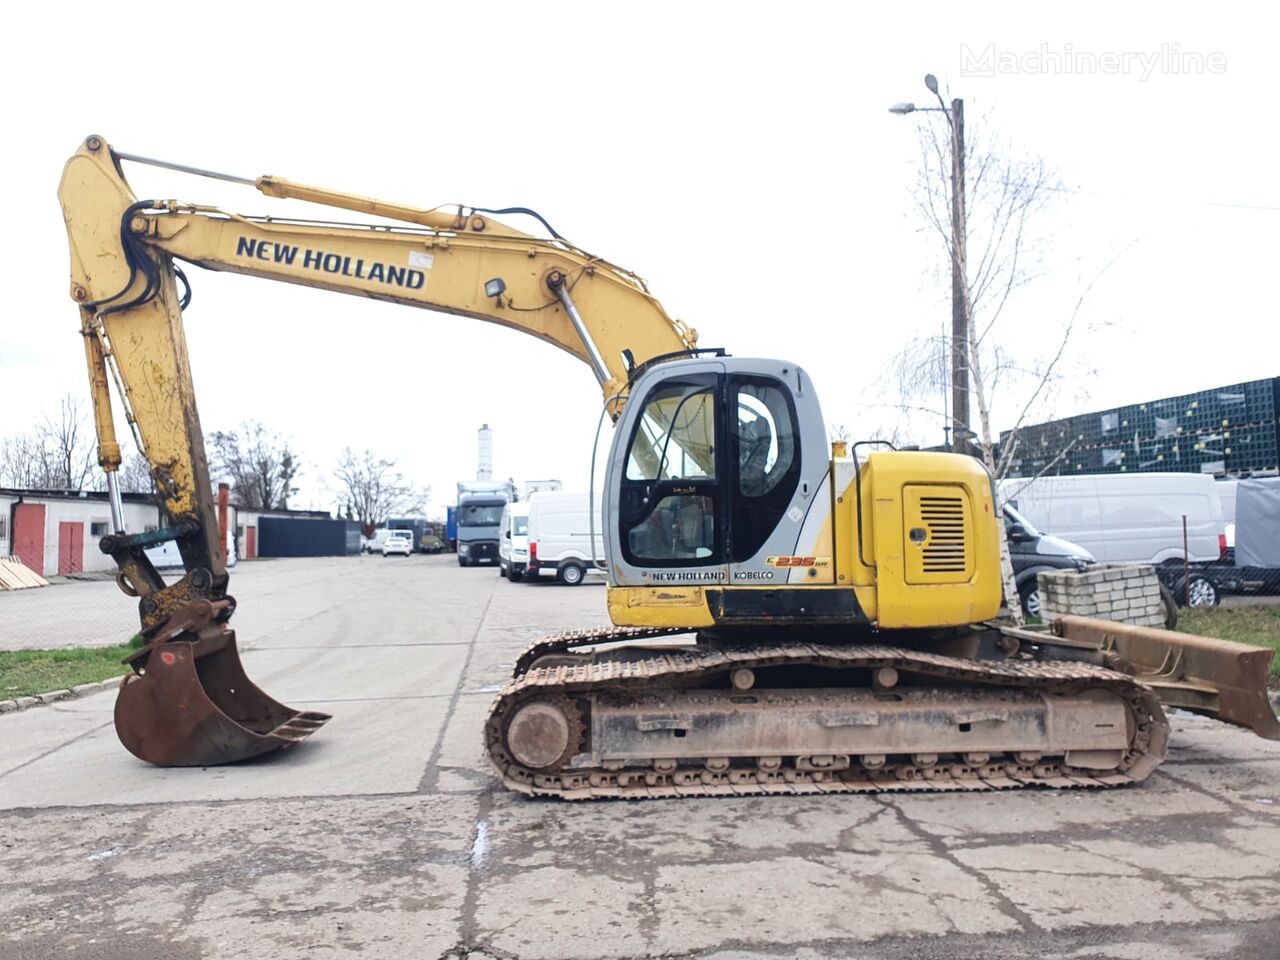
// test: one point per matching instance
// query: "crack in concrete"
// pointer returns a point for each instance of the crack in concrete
(1213, 761)
(367, 646)
(940, 850)
(1253, 940)
(1241, 805)
(179, 804)
(468, 925)
(431, 775)
(649, 920)
(55, 749)
(408, 696)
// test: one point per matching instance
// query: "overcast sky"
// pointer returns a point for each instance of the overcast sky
(739, 156)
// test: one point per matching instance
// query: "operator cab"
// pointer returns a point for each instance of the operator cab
(715, 466)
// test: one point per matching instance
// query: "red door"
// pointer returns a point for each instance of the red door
(70, 547)
(28, 535)
(250, 542)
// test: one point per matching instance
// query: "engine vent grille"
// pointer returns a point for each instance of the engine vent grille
(944, 551)
(937, 534)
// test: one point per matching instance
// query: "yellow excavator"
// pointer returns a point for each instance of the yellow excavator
(836, 604)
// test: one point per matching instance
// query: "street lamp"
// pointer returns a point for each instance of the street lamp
(959, 315)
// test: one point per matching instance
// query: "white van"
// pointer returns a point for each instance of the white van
(560, 543)
(1126, 517)
(513, 547)
(165, 556)
(374, 544)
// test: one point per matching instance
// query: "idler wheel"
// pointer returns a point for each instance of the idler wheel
(544, 734)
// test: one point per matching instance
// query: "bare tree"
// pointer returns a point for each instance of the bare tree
(134, 475)
(58, 454)
(373, 490)
(69, 444)
(21, 462)
(257, 463)
(1000, 251)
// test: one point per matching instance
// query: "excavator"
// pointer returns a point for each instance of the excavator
(790, 615)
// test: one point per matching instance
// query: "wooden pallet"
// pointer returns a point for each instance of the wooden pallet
(15, 576)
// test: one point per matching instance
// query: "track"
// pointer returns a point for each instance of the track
(570, 685)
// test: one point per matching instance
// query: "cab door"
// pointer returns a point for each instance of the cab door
(669, 523)
(764, 458)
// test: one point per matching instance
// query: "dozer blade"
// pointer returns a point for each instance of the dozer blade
(189, 703)
(1219, 678)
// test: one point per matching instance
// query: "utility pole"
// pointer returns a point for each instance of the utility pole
(959, 315)
(959, 421)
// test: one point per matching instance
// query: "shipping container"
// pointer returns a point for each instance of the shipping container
(307, 537)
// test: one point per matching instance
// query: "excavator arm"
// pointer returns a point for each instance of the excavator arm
(931, 569)
(127, 285)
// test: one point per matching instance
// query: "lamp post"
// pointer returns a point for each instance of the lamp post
(959, 315)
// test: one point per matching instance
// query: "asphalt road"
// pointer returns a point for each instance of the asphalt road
(386, 836)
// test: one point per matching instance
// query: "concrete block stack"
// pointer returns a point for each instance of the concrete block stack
(1129, 593)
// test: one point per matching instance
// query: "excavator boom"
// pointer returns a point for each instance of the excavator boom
(189, 701)
(842, 606)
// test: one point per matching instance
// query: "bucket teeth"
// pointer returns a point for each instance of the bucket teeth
(300, 727)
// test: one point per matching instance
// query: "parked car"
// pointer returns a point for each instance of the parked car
(398, 542)
(1126, 517)
(421, 530)
(1033, 553)
(513, 548)
(432, 539)
(560, 541)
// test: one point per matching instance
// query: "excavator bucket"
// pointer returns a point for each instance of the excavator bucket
(188, 702)
(1219, 678)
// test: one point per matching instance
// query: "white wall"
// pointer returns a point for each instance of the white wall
(6, 535)
(137, 517)
(244, 520)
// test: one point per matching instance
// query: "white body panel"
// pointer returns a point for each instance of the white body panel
(560, 525)
(378, 539)
(1126, 517)
(513, 548)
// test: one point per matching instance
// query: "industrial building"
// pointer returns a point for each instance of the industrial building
(57, 531)
(1229, 431)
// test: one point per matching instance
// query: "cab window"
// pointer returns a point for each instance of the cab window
(675, 438)
(670, 497)
(766, 458)
(766, 441)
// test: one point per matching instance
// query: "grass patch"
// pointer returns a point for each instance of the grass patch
(1259, 626)
(25, 673)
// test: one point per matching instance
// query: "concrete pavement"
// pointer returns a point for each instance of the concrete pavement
(387, 836)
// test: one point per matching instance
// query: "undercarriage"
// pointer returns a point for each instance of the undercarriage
(709, 715)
